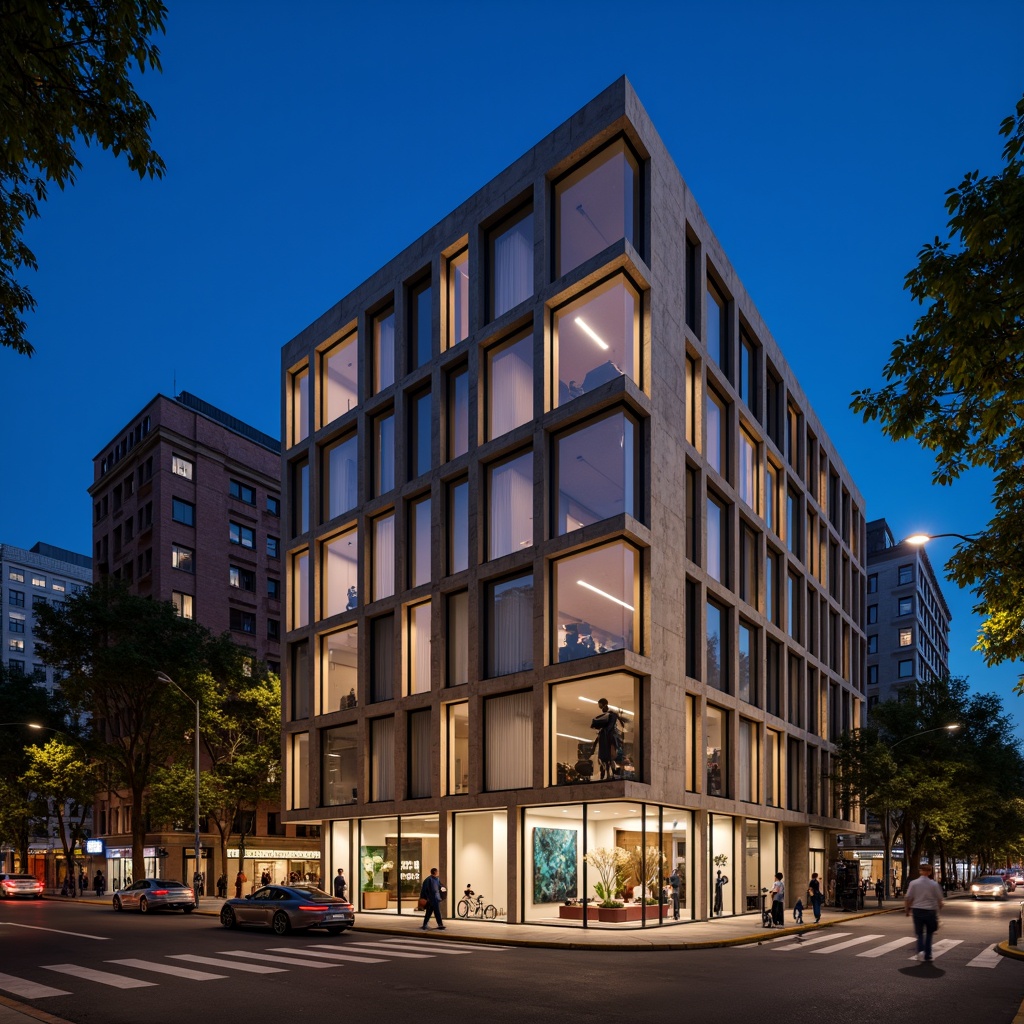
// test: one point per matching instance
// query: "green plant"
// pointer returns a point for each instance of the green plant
(608, 862)
(721, 860)
(371, 865)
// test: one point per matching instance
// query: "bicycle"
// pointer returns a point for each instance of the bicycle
(470, 907)
(766, 915)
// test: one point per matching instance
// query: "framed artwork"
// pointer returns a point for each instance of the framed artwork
(554, 864)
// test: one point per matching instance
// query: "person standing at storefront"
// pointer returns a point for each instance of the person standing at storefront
(99, 883)
(83, 882)
(675, 883)
(222, 886)
(240, 880)
(778, 900)
(433, 892)
(340, 885)
(814, 891)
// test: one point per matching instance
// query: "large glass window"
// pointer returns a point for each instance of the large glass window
(596, 600)
(420, 546)
(715, 449)
(419, 754)
(717, 751)
(510, 252)
(749, 565)
(716, 325)
(458, 747)
(421, 433)
(771, 497)
(418, 632)
(773, 768)
(340, 378)
(183, 558)
(299, 704)
(300, 497)
(748, 372)
(458, 298)
(340, 571)
(458, 526)
(596, 339)
(749, 761)
(717, 538)
(508, 741)
(747, 483)
(589, 743)
(183, 512)
(510, 626)
(458, 413)
(458, 638)
(420, 300)
(383, 556)
(716, 647)
(384, 442)
(382, 758)
(382, 658)
(340, 672)
(595, 205)
(510, 496)
(340, 477)
(300, 590)
(300, 770)
(746, 684)
(300, 405)
(340, 767)
(596, 472)
(509, 385)
(383, 350)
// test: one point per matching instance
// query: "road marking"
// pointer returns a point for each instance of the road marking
(434, 947)
(100, 977)
(28, 989)
(431, 943)
(380, 947)
(986, 958)
(294, 961)
(848, 943)
(812, 942)
(57, 931)
(888, 947)
(331, 956)
(177, 972)
(940, 947)
(212, 961)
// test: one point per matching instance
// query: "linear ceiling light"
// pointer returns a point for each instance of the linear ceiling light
(596, 590)
(590, 332)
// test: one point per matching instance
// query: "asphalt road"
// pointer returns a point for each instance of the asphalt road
(92, 965)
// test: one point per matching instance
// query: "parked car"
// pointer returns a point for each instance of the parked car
(155, 894)
(1009, 882)
(990, 886)
(287, 907)
(20, 885)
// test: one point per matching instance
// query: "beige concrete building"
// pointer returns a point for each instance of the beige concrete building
(550, 456)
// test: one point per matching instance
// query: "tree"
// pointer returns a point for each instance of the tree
(109, 645)
(956, 384)
(65, 78)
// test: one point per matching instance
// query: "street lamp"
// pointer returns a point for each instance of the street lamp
(162, 677)
(919, 539)
(886, 844)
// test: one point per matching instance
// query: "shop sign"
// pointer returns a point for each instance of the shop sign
(233, 852)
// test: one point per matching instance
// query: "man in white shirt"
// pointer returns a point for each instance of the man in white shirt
(924, 899)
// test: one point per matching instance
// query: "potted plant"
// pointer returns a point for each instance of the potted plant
(375, 897)
(608, 862)
(645, 866)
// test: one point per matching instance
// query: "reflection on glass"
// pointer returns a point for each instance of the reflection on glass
(300, 770)
(421, 427)
(419, 542)
(458, 297)
(340, 670)
(341, 477)
(458, 638)
(340, 766)
(340, 569)
(300, 590)
(458, 413)
(340, 369)
(716, 752)
(748, 470)
(384, 439)
(715, 646)
(383, 351)
(458, 526)
(300, 405)
(419, 324)
(511, 254)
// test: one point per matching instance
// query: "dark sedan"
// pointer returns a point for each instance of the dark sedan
(287, 907)
(155, 894)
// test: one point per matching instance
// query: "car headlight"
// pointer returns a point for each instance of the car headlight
(975, 888)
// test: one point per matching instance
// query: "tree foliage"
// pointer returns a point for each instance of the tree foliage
(65, 78)
(956, 384)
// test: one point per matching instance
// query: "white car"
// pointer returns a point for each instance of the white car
(988, 886)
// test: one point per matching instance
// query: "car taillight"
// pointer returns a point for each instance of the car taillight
(160, 892)
(314, 908)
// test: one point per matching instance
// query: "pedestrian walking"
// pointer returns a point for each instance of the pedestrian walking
(879, 892)
(99, 883)
(340, 885)
(676, 882)
(222, 886)
(83, 882)
(778, 900)
(924, 901)
(814, 893)
(240, 880)
(433, 892)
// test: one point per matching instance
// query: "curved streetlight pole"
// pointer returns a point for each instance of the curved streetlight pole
(162, 677)
(886, 845)
(920, 539)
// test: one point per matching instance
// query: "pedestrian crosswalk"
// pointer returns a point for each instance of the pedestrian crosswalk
(828, 943)
(137, 972)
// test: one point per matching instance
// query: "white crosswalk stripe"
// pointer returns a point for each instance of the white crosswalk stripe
(811, 942)
(858, 941)
(379, 947)
(334, 954)
(888, 947)
(433, 943)
(100, 977)
(986, 958)
(941, 947)
(270, 958)
(28, 989)
(443, 948)
(233, 965)
(172, 969)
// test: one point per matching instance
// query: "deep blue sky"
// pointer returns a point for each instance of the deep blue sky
(307, 146)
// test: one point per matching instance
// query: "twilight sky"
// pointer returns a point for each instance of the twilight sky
(307, 144)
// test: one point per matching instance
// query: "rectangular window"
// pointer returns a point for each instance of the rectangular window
(273, 629)
(458, 637)
(872, 675)
(382, 658)
(716, 323)
(243, 492)
(180, 467)
(508, 742)
(243, 535)
(716, 448)
(383, 556)
(420, 300)
(340, 477)
(299, 590)
(596, 600)
(717, 751)
(421, 432)
(694, 548)
(182, 558)
(872, 645)
(510, 497)
(795, 690)
(16, 622)
(383, 350)
(773, 408)
(300, 770)
(300, 498)
(382, 758)
(340, 670)
(716, 647)
(340, 573)
(273, 506)
(418, 636)
(746, 684)
(749, 761)
(747, 377)
(510, 626)
(772, 582)
(241, 621)
(510, 259)
(419, 754)
(16, 575)
(458, 526)
(748, 482)
(794, 619)
(458, 747)
(16, 598)
(242, 579)
(872, 614)
(384, 445)
(509, 385)
(273, 547)
(773, 768)
(596, 339)
(273, 589)
(340, 378)
(596, 204)
(458, 298)
(692, 404)
(749, 566)
(596, 466)
(340, 767)
(873, 583)
(717, 521)
(773, 678)
(905, 606)
(16, 645)
(906, 637)
(300, 405)
(793, 523)
(39, 581)
(906, 574)
(458, 413)
(420, 542)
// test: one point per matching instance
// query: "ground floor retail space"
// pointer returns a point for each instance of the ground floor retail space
(604, 864)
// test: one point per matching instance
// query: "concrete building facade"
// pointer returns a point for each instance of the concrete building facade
(187, 509)
(575, 576)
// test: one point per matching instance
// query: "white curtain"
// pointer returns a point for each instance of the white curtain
(419, 754)
(341, 474)
(511, 387)
(385, 454)
(513, 265)
(383, 557)
(419, 653)
(382, 758)
(511, 501)
(512, 632)
(509, 742)
(746, 748)
(458, 639)
(385, 330)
